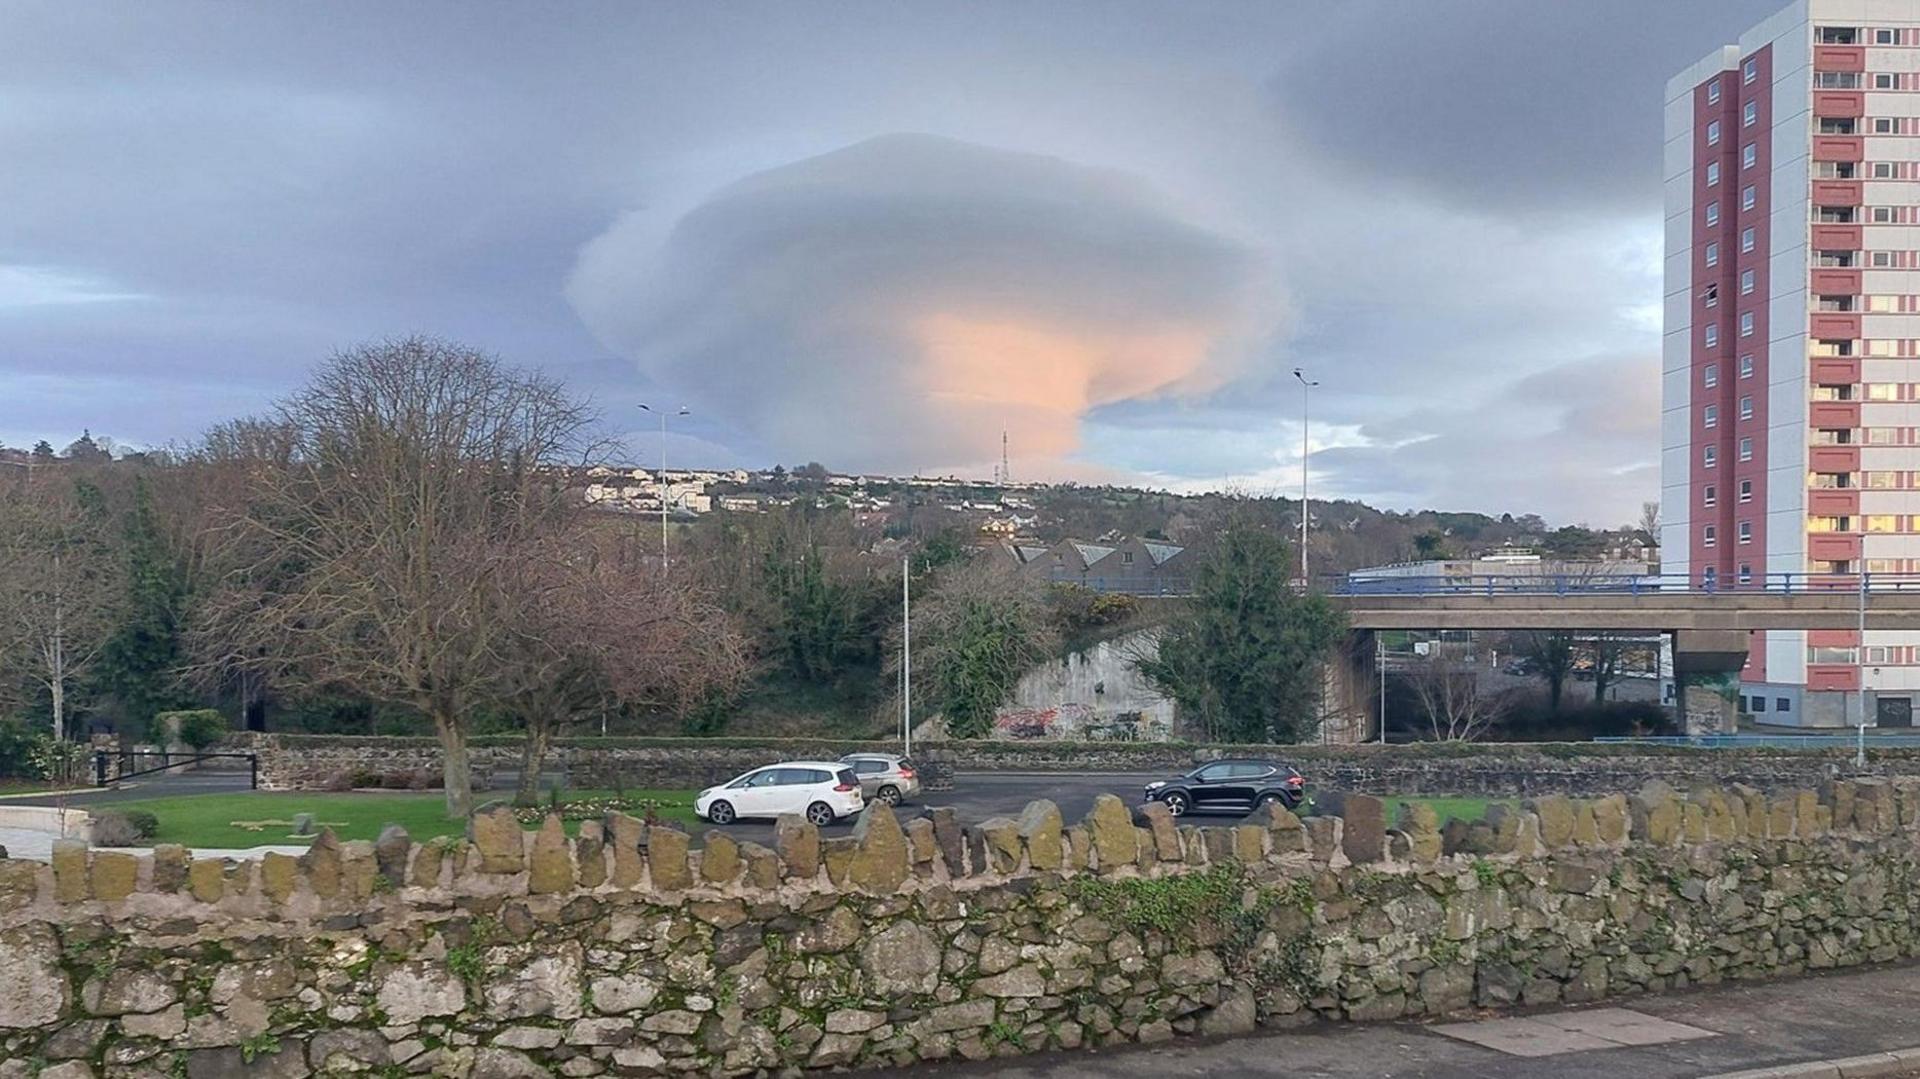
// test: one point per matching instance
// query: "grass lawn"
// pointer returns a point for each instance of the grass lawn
(265, 817)
(1468, 809)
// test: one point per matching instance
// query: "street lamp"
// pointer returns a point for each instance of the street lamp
(1306, 393)
(662, 485)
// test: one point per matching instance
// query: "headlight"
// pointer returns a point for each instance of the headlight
(1156, 784)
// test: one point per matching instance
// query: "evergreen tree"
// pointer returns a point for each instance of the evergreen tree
(139, 662)
(1244, 662)
(86, 450)
(42, 452)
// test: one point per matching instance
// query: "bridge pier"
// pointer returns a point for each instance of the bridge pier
(1350, 697)
(1706, 679)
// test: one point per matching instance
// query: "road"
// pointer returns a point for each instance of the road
(1735, 1028)
(976, 797)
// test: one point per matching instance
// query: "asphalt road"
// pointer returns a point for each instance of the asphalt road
(977, 796)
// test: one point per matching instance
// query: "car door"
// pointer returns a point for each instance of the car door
(869, 769)
(1236, 788)
(801, 788)
(757, 794)
(1208, 786)
(1256, 778)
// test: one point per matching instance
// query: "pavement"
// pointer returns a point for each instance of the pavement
(1792, 1025)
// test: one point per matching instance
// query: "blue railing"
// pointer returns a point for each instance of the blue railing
(1848, 740)
(1637, 584)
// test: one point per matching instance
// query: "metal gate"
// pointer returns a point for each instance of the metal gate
(112, 767)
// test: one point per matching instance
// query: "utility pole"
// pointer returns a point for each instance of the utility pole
(1860, 664)
(661, 486)
(1380, 664)
(1306, 393)
(906, 656)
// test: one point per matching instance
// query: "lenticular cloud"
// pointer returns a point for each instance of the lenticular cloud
(897, 303)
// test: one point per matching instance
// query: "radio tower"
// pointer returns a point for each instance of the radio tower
(1003, 475)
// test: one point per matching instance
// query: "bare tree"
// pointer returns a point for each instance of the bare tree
(60, 584)
(602, 627)
(1457, 707)
(390, 507)
(1650, 523)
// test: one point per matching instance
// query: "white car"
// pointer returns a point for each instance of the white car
(822, 791)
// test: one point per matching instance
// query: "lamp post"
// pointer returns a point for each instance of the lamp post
(1860, 664)
(906, 656)
(662, 485)
(1306, 394)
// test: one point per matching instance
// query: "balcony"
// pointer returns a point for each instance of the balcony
(1839, 104)
(1834, 325)
(1839, 58)
(1836, 502)
(1833, 458)
(1838, 148)
(1833, 638)
(1833, 371)
(1836, 237)
(1833, 546)
(1836, 282)
(1832, 676)
(1836, 193)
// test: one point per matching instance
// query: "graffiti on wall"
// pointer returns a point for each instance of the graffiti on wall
(1078, 721)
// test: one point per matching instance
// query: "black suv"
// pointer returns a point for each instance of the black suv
(1230, 787)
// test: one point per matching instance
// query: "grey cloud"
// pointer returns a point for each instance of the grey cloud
(1548, 107)
(895, 303)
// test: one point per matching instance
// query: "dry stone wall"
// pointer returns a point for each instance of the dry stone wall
(620, 951)
(316, 762)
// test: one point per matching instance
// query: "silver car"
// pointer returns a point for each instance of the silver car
(884, 777)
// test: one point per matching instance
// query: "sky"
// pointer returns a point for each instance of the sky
(878, 235)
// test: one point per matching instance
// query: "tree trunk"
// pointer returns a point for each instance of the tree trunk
(1555, 681)
(533, 757)
(455, 769)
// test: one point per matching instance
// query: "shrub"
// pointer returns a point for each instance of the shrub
(199, 728)
(124, 827)
(363, 778)
(17, 744)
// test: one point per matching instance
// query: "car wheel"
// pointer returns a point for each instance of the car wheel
(889, 794)
(820, 814)
(721, 813)
(1270, 799)
(1177, 803)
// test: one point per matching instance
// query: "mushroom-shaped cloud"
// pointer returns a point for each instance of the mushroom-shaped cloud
(895, 304)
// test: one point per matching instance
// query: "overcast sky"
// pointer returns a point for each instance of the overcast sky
(878, 235)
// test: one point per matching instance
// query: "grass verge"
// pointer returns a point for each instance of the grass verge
(258, 818)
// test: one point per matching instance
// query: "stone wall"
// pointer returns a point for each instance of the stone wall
(313, 762)
(1095, 693)
(620, 951)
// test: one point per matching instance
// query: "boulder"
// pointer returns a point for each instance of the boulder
(550, 863)
(1157, 819)
(624, 834)
(1364, 834)
(880, 865)
(495, 832)
(1041, 830)
(798, 843)
(667, 858)
(1115, 843)
(901, 960)
(719, 858)
(390, 852)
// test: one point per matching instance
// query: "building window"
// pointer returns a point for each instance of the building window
(1746, 367)
(1749, 71)
(1746, 449)
(1882, 259)
(1750, 115)
(1711, 295)
(1759, 704)
(1126, 558)
(1746, 240)
(1713, 173)
(1709, 535)
(1883, 170)
(1746, 324)
(1783, 704)
(1713, 253)
(1748, 155)
(1883, 215)
(1746, 490)
(1746, 281)
(1880, 37)
(1713, 92)
(1883, 82)
(1709, 495)
(1713, 212)
(1711, 376)
(1746, 407)
(1709, 456)
(1712, 334)
(1745, 532)
(1748, 197)
(1883, 125)
(1710, 416)
(1746, 573)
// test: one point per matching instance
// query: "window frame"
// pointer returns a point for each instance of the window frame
(1743, 493)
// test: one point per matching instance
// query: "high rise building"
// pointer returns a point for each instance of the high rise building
(1791, 373)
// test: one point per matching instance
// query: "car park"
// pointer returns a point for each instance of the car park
(820, 791)
(885, 777)
(1229, 786)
